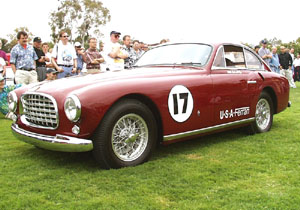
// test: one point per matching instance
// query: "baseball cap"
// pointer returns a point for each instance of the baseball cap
(115, 32)
(77, 44)
(1, 78)
(49, 71)
(37, 39)
(264, 42)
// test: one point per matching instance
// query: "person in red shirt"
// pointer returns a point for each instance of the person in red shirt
(92, 57)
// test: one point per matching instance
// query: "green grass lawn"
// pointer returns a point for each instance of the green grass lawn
(229, 170)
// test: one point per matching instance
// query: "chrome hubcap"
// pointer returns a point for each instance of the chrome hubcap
(129, 137)
(263, 114)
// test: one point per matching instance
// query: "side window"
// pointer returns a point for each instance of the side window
(252, 61)
(219, 61)
(234, 57)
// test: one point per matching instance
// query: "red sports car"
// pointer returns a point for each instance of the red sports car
(174, 92)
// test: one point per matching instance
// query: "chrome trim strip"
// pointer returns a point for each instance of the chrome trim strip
(55, 114)
(251, 82)
(55, 143)
(206, 130)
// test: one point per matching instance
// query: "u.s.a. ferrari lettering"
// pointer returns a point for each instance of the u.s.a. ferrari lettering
(243, 111)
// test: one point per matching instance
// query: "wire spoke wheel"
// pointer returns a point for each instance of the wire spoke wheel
(263, 114)
(126, 136)
(129, 137)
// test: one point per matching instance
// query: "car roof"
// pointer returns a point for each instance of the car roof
(216, 45)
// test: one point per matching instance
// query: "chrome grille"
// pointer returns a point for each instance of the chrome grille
(39, 110)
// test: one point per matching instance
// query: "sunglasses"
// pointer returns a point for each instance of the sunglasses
(65, 36)
(117, 36)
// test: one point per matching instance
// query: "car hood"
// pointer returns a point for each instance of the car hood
(69, 84)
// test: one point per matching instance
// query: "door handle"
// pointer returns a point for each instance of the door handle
(251, 82)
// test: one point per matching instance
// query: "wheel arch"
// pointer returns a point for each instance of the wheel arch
(153, 108)
(273, 96)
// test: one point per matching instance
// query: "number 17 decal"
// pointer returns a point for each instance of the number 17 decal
(180, 103)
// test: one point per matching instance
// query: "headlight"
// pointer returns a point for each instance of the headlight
(73, 108)
(12, 101)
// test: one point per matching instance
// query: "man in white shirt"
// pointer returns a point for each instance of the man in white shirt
(64, 57)
(45, 48)
(113, 53)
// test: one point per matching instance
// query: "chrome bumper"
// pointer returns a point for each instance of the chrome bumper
(55, 143)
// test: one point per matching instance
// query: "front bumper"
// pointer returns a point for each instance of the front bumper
(55, 143)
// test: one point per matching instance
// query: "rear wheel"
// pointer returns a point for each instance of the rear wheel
(263, 114)
(126, 136)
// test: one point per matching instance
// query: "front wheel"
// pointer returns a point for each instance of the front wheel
(263, 114)
(126, 136)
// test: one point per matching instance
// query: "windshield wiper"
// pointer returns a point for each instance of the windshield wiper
(169, 64)
(157, 64)
(189, 63)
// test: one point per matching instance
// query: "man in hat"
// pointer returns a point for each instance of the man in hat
(4, 90)
(264, 52)
(42, 59)
(79, 53)
(22, 60)
(51, 74)
(113, 53)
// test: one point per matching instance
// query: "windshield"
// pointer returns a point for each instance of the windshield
(176, 54)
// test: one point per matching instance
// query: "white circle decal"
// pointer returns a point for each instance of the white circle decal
(180, 103)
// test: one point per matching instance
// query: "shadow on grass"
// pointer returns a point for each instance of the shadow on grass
(67, 160)
(85, 161)
(200, 142)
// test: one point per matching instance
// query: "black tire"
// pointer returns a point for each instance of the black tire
(264, 111)
(108, 151)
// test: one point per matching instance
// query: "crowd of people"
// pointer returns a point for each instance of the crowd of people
(37, 63)
(283, 63)
(33, 63)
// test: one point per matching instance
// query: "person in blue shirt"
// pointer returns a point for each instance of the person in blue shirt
(79, 53)
(274, 62)
(4, 90)
(22, 60)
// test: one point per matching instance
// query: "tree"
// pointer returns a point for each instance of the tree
(14, 40)
(79, 18)
(247, 44)
(274, 42)
(4, 45)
